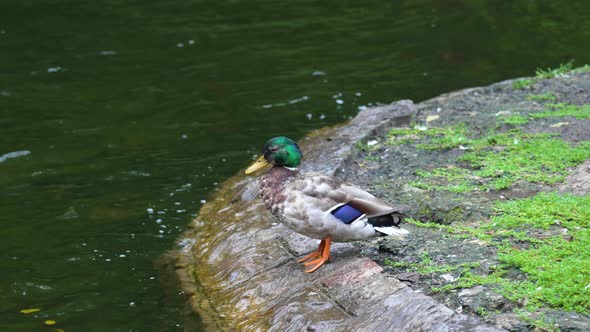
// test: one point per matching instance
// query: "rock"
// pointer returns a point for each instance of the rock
(408, 276)
(240, 270)
(431, 118)
(245, 277)
(481, 297)
(448, 277)
(578, 182)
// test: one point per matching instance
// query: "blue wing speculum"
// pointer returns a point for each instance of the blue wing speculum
(346, 213)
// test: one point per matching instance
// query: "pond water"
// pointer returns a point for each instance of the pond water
(119, 119)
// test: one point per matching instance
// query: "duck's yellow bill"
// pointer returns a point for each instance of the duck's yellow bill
(258, 164)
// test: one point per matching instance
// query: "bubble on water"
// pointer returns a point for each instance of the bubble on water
(184, 136)
(319, 73)
(150, 210)
(339, 101)
(203, 201)
(176, 203)
(109, 52)
(362, 108)
(161, 231)
(54, 69)
(322, 116)
(180, 45)
(132, 303)
(358, 94)
(158, 221)
(122, 255)
(191, 42)
(107, 259)
(309, 116)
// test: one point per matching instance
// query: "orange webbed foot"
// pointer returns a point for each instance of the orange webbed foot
(316, 259)
(310, 256)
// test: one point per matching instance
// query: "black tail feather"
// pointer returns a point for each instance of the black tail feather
(392, 219)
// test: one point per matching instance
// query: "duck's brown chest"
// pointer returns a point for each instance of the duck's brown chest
(272, 188)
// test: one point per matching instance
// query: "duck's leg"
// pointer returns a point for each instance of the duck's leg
(323, 253)
(314, 254)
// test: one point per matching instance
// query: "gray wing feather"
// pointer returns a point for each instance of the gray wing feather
(362, 200)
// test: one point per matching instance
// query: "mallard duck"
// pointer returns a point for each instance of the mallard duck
(320, 206)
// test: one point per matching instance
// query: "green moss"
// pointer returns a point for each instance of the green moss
(547, 96)
(365, 147)
(556, 269)
(541, 74)
(372, 158)
(422, 185)
(438, 138)
(541, 160)
(562, 109)
(507, 157)
(557, 272)
(515, 120)
(539, 321)
(543, 210)
(583, 69)
(523, 83)
(455, 179)
(468, 279)
(496, 161)
(563, 69)
(512, 137)
(462, 231)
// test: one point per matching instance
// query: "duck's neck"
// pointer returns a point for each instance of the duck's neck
(273, 184)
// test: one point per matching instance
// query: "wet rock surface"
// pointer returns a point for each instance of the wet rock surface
(239, 268)
(238, 265)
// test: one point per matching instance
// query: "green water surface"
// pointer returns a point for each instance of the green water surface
(119, 118)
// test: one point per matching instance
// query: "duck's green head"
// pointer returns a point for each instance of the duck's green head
(278, 151)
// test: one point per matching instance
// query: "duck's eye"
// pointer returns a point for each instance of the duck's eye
(274, 148)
